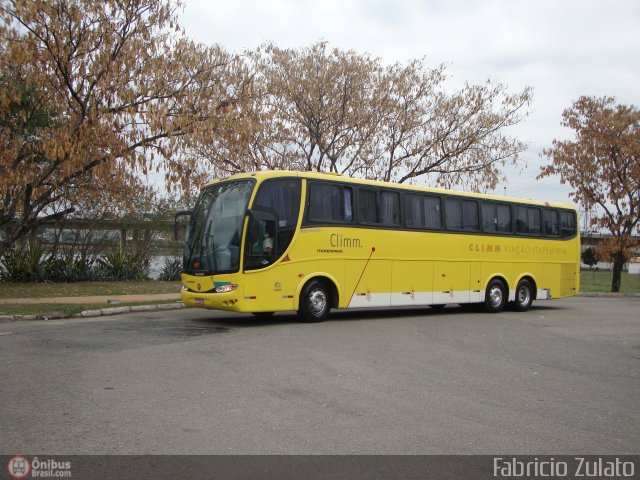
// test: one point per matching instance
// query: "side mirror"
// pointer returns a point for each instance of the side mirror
(180, 225)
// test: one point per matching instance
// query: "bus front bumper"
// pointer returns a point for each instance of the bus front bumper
(230, 301)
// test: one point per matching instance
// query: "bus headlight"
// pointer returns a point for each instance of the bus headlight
(226, 288)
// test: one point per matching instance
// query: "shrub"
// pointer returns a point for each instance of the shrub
(69, 266)
(118, 264)
(589, 256)
(24, 265)
(34, 263)
(171, 270)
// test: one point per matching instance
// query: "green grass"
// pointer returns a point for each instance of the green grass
(66, 309)
(79, 289)
(600, 281)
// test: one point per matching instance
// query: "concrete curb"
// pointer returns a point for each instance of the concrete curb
(93, 313)
(135, 308)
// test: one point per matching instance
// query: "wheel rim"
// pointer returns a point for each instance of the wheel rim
(524, 295)
(317, 301)
(495, 296)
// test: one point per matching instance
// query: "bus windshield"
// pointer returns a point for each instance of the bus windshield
(212, 242)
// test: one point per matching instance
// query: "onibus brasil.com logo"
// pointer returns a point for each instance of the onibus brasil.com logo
(21, 467)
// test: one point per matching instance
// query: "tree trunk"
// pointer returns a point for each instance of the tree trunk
(618, 263)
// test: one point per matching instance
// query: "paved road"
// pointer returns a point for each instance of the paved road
(561, 378)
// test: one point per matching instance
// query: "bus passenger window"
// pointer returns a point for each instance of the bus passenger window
(533, 217)
(422, 211)
(568, 224)
(389, 208)
(551, 227)
(432, 212)
(461, 214)
(496, 218)
(330, 203)
(381, 207)
(413, 211)
(283, 196)
(522, 224)
(470, 217)
(453, 213)
(367, 206)
(528, 221)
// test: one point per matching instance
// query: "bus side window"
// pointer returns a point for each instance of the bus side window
(283, 196)
(390, 208)
(522, 225)
(367, 206)
(496, 218)
(567, 224)
(470, 217)
(261, 237)
(453, 213)
(551, 226)
(461, 214)
(275, 216)
(422, 211)
(413, 211)
(528, 220)
(433, 212)
(533, 217)
(330, 203)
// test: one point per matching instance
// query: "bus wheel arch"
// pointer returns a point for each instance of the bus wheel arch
(316, 298)
(525, 294)
(496, 294)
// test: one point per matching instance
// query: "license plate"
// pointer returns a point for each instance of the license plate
(199, 301)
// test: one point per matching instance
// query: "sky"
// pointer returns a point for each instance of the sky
(561, 48)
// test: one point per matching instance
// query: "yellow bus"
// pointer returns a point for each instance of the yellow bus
(308, 242)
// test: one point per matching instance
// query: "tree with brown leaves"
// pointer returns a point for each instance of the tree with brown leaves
(95, 93)
(602, 165)
(325, 109)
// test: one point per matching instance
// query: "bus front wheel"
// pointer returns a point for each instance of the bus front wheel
(315, 302)
(495, 297)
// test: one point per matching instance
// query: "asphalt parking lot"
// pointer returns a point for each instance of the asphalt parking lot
(563, 378)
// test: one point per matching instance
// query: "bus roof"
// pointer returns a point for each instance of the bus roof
(337, 177)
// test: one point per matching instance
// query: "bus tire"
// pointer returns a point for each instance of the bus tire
(524, 296)
(495, 297)
(315, 302)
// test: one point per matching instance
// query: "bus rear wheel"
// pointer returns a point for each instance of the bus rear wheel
(315, 302)
(495, 297)
(524, 296)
